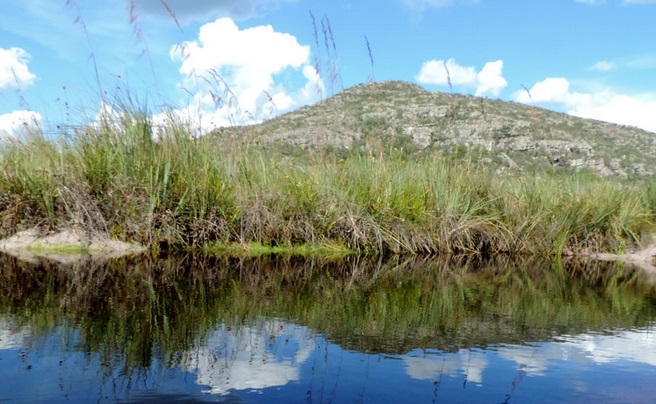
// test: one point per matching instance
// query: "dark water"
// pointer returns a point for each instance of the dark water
(198, 329)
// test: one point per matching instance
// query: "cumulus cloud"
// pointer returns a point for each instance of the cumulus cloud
(234, 75)
(554, 90)
(14, 73)
(19, 123)
(488, 81)
(202, 10)
(604, 105)
(620, 109)
(441, 72)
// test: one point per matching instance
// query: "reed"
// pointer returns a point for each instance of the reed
(163, 187)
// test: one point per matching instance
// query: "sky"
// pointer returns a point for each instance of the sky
(215, 63)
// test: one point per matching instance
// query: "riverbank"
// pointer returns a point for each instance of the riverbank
(66, 245)
(166, 190)
(642, 257)
(73, 246)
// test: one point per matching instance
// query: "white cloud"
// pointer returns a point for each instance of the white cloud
(488, 81)
(554, 90)
(233, 74)
(420, 5)
(620, 109)
(604, 105)
(604, 66)
(440, 72)
(642, 62)
(19, 123)
(591, 2)
(14, 72)
(202, 10)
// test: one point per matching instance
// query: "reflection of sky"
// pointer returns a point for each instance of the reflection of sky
(636, 346)
(10, 336)
(534, 360)
(470, 363)
(251, 357)
(275, 361)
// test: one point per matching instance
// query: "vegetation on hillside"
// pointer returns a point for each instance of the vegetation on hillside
(506, 136)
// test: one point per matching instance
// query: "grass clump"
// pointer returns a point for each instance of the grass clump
(165, 188)
(254, 249)
(57, 248)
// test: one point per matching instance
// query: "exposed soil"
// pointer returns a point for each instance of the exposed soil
(71, 245)
(644, 258)
(66, 246)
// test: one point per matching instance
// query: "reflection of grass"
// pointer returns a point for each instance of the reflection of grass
(130, 311)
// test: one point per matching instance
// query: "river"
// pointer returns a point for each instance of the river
(204, 329)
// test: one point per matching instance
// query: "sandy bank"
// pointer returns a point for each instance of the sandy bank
(644, 258)
(67, 245)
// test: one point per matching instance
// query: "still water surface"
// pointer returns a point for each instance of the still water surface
(196, 329)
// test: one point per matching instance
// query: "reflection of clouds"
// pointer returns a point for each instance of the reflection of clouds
(635, 345)
(468, 362)
(474, 365)
(532, 360)
(251, 357)
(429, 368)
(12, 337)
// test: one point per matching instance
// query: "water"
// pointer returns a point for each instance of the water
(197, 329)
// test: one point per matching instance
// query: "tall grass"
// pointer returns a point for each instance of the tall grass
(163, 187)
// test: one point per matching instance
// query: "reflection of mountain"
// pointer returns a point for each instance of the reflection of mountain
(535, 360)
(250, 357)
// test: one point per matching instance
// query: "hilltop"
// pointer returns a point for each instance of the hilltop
(506, 135)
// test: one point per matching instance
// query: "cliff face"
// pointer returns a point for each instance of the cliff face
(508, 135)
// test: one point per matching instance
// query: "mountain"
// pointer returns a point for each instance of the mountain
(508, 135)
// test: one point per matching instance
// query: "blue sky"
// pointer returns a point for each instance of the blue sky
(225, 62)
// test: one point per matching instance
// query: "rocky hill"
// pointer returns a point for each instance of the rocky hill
(509, 135)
